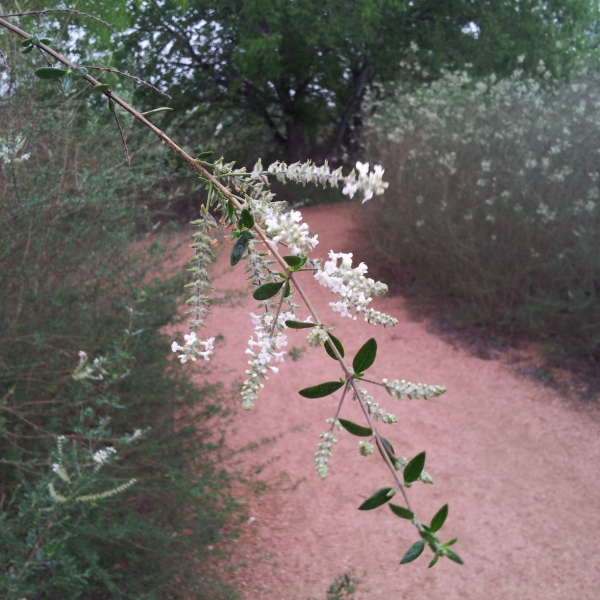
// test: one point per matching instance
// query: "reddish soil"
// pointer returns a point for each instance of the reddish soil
(517, 464)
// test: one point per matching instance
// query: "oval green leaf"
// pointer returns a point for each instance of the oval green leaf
(402, 512)
(238, 250)
(413, 552)
(414, 468)
(337, 344)
(80, 71)
(439, 519)
(27, 42)
(321, 390)
(450, 543)
(453, 556)
(246, 218)
(436, 556)
(206, 154)
(67, 84)
(299, 325)
(46, 41)
(365, 357)
(379, 498)
(267, 290)
(50, 73)
(27, 49)
(294, 261)
(355, 429)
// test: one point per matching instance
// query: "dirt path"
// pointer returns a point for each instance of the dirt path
(517, 465)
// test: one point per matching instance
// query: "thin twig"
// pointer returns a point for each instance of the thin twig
(127, 157)
(134, 77)
(30, 13)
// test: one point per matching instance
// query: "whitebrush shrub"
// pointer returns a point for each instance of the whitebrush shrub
(496, 199)
(275, 248)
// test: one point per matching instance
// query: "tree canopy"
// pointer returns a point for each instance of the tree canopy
(304, 67)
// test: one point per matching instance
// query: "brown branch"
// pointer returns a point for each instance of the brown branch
(134, 77)
(30, 13)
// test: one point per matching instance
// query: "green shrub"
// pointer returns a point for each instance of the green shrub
(71, 281)
(497, 201)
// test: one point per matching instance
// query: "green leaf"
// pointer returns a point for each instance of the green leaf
(294, 261)
(365, 357)
(238, 250)
(413, 552)
(414, 468)
(50, 73)
(355, 429)
(436, 557)
(322, 390)
(379, 498)
(27, 42)
(453, 556)
(402, 512)
(101, 87)
(46, 41)
(450, 543)
(230, 210)
(267, 290)
(155, 111)
(111, 106)
(247, 219)
(299, 325)
(337, 344)
(206, 154)
(288, 289)
(27, 49)
(439, 519)
(388, 448)
(67, 84)
(80, 71)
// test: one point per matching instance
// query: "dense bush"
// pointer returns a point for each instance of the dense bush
(497, 201)
(70, 281)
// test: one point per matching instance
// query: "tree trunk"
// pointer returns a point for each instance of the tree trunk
(296, 143)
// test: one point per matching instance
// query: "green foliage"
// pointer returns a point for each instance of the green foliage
(343, 588)
(71, 279)
(302, 68)
(497, 213)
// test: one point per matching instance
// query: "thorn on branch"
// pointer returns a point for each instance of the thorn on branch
(56, 10)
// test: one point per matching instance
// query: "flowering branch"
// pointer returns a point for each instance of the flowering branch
(252, 215)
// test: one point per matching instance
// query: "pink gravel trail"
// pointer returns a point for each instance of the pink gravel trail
(517, 464)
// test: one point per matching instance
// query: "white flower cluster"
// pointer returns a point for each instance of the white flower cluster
(317, 337)
(324, 453)
(85, 370)
(286, 229)
(60, 471)
(10, 148)
(102, 495)
(365, 448)
(200, 286)
(264, 349)
(373, 407)
(102, 456)
(400, 387)
(369, 183)
(191, 349)
(354, 288)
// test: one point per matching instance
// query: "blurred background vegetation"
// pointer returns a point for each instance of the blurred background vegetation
(485, 117)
